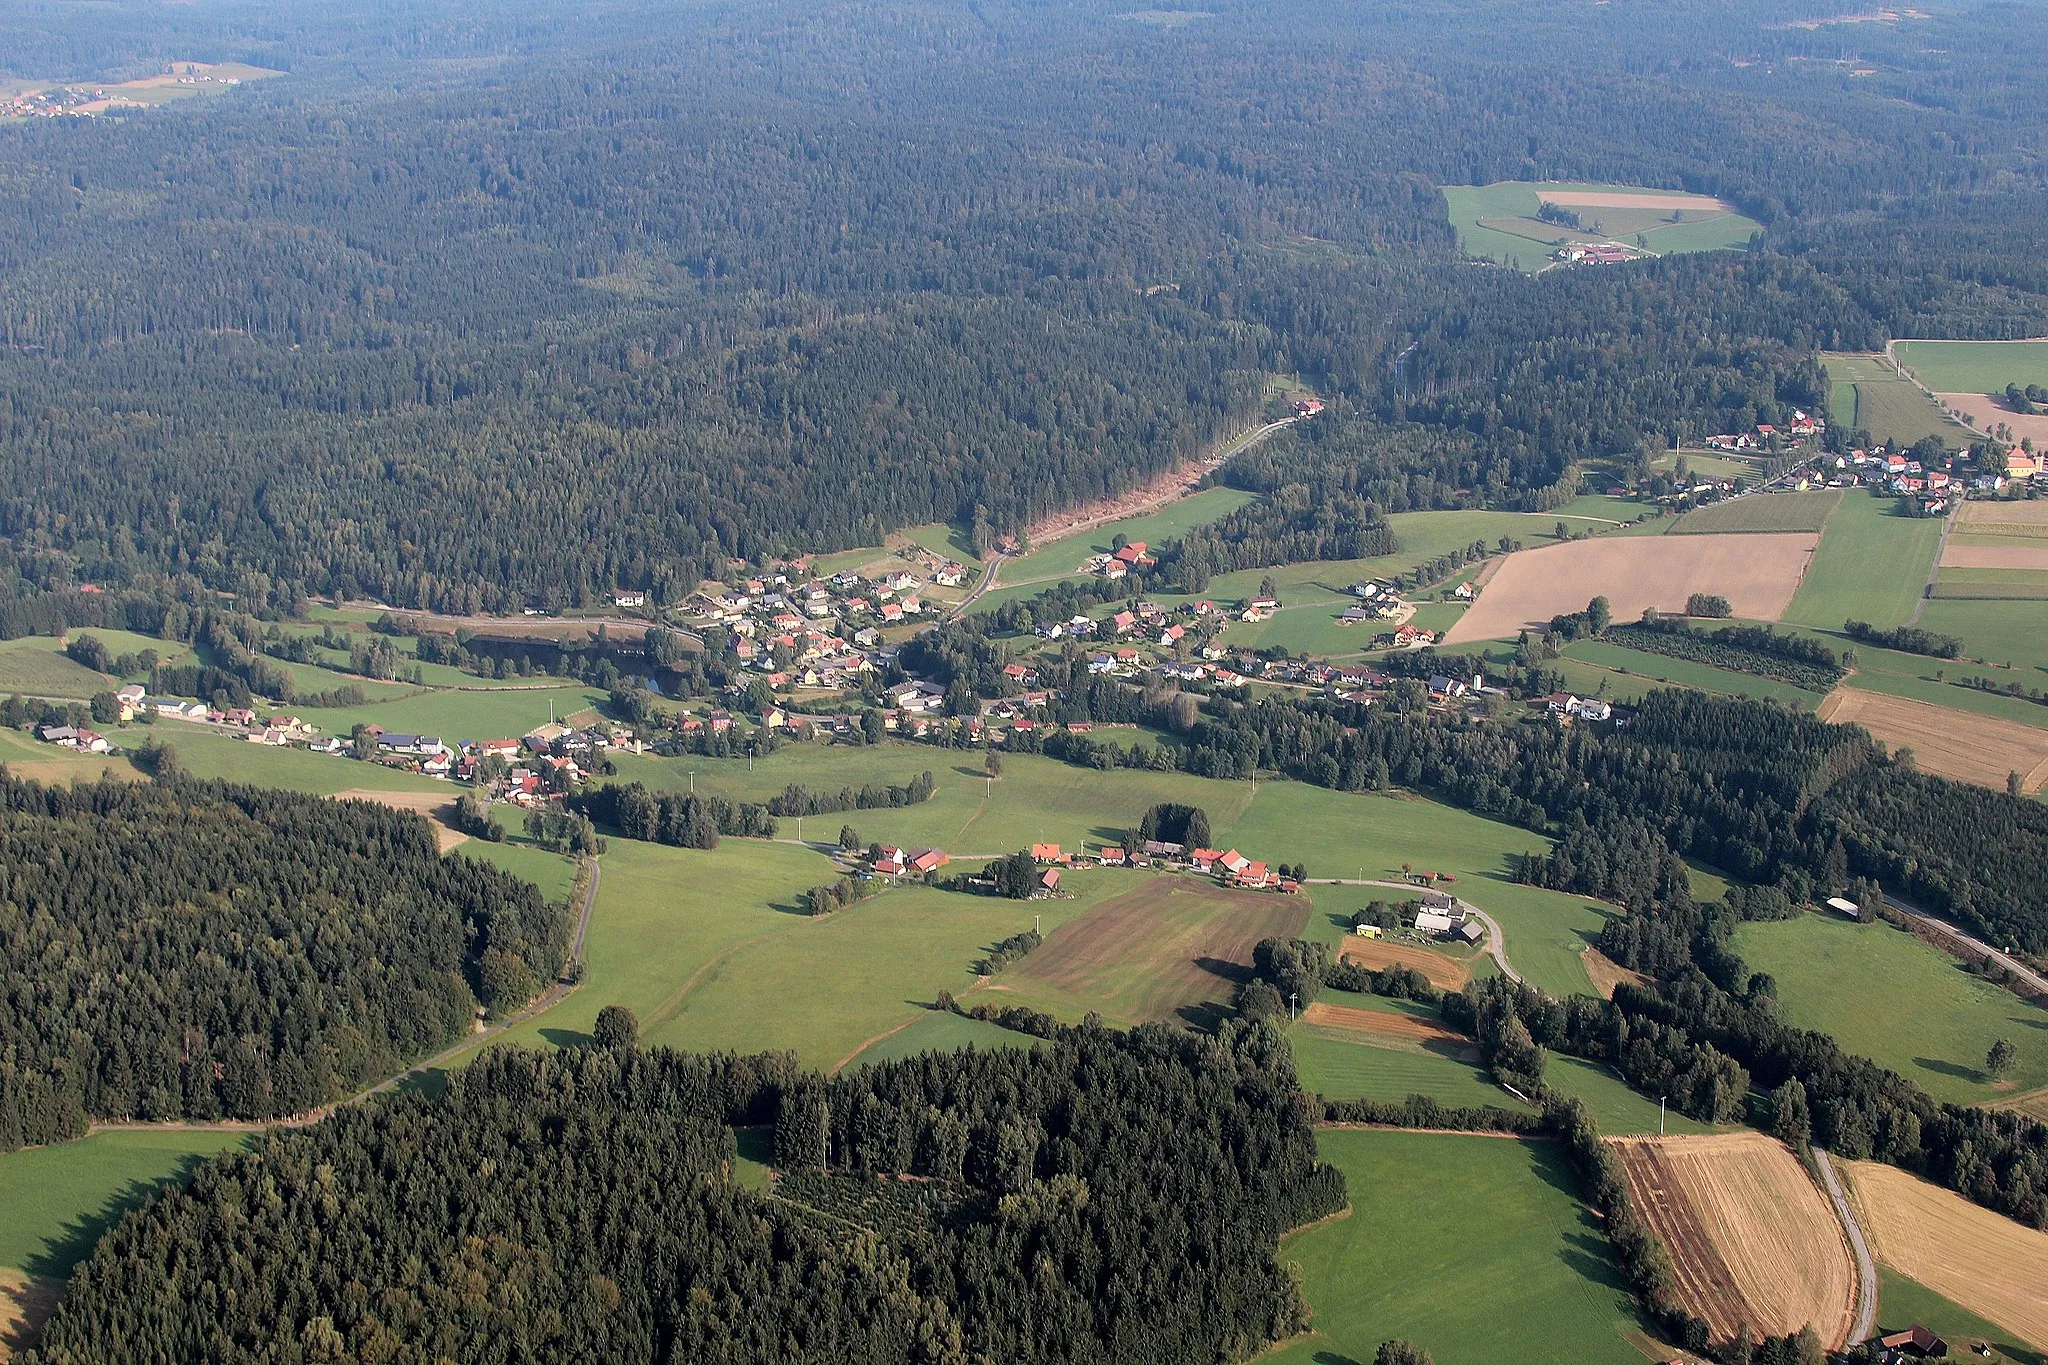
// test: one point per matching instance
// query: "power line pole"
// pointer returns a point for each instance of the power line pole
(1292, 996)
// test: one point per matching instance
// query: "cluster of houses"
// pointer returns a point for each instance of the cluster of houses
(908, 862)
(1228, 866)
(1595, 253)
(1802, 427)
(1119, 563)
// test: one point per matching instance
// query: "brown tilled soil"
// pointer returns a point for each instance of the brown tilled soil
(1174, 948)
(439, 810)
(1383, 1024)
(1444, 973)
(1954, 556)
(1947, 742)
(1753, 1238)
(1982, 1260)
(1756, 573)
(1607, 973)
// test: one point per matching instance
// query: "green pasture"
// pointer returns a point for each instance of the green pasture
(208, 753)
(36, 666)
(1056, 559)
(1600, 507)
(711, 950)
(2001, 632)
(492, 713)
(1547, 932)
(1036, 800)
(1921, 678)
(1974, 366)
(1901, 1302)
(1618, 1110)
(55, 1202)
(1585, 679)
(1712, 464)
(553, 873)
(1620, 660)
(1866, 395)
(940, 1031)
(1526, 242)
(120, 642)
(1337, 1067)
(1872, 565)
(1762, 512)
(1885, 995)
(1478, 1248)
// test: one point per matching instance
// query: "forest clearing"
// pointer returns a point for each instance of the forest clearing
(1990, 1265)
(1949, 743)
(1757, 574)
(1753, 1239)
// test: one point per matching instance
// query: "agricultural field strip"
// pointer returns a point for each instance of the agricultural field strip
(1962, 745)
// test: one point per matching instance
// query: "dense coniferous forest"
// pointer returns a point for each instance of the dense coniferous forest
(488, 307)
(198, 950)
(1110, 1196)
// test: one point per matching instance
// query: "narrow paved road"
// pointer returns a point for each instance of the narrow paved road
(2033, 980)
(1866, 1270)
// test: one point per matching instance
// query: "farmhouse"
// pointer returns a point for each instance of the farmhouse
(1914, 1343)
(1434, 922)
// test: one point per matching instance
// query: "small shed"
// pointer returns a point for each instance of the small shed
(1471, 931)
(1843, 906)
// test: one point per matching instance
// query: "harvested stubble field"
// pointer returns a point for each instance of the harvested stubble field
(2004, 518)
(1950, 743)
(1753, 1238)
(1386, 1026)
(1761, 513)
(1374, 954)
(2033, 557)
(1987, 412)
(1757, 574)
(438, 807)
(1606, 973)
(1173, 948)
(1981, 1260)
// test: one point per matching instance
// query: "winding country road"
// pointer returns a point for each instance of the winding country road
(2034, 981)
(1866, 1269)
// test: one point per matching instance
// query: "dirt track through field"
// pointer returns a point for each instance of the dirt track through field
(1444, 973)
(438, 809)
(1756, 573)
(1173, 946)
(1383, 1025)
(1994, 556)
(1949, 743)
(1982, 1260)
(1752, 1237)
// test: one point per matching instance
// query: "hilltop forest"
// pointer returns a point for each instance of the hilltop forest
(486, 307)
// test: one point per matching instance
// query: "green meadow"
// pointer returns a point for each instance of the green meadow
(1866, 395)
(1618, 1110)
(1519, 238)
(1872, 565)
(1887, 996)
(55, 1202)
(1478, 1248)
(36, 666)
(1901, 1302)
(940, 1031)
(1334, 1066)
(1974, 366)
(1617, 662)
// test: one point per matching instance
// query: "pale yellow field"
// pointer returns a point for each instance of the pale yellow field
(1961, 745)
(1982, 1260)
(1753, 1238)
(1756, 573)
(25, 1301)
(1955, 556)
(437, 807)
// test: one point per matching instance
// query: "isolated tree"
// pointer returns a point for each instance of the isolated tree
(1399, 1352)
(616, 1026)
(2013, 785)
(2000, 1058)
(992, 764)
(1598, 615)
(849, 838)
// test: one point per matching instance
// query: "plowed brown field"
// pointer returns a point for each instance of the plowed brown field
(1444, 973)
(1383, 1025)
(1756, 573)
(1753, 1238)
(1982, 1260)
(1946, 742)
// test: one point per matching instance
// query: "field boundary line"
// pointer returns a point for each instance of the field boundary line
(841, 1064)
(1948, 524)
(1866, 1270)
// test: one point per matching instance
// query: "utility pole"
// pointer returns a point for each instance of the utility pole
(799, 829)
(1292, 996)
(1034, 924)
(1660, 1116)
(693, 782)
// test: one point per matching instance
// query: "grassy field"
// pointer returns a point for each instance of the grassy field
(1619, 1111)
(208, 753)
(36, 666)
(1974, 366)
(1062, 558)
(1657, 668)
(938, 1031)
(1887, 996)
(1547, 931)
(553, 873)
(1866, 395)
(1518, 201)
(1763, 512)
(56, 1201)
(1478, 1248)
(491, 713)
(1872, 565)
(2001, 632)
(1336, 1066)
